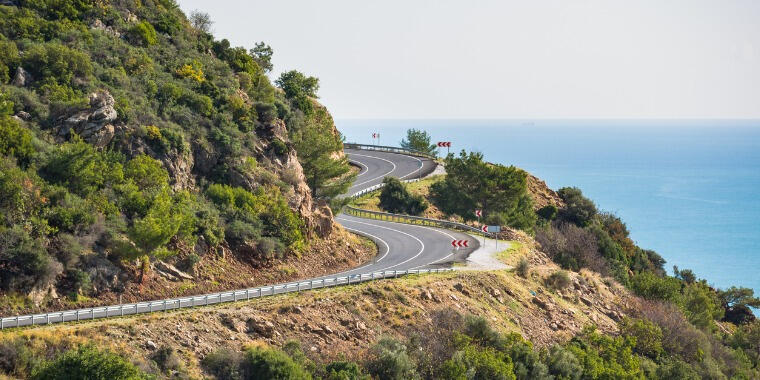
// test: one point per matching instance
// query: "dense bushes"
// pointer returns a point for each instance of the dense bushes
(189, 111)
(395, 198)
(252, 215)
(143, 33)
(500, 191)
(254, 363)
(15, 141)
(88, 363)
(578, 209)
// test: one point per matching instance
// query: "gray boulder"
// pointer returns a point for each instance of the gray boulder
(93, 124)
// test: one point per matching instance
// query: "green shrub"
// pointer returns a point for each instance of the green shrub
(9, 59)
(523, 267)
(296, 84)
(344, 370)
(558, 280)
(54, 63)
(23, 260)
(677, 369)
(563, 364)
(94, 170)
(167, 359)
(88, 363)
(648, 336)
(143, 33)
(15, 141)
(279, 147)
(651, 286)
(267, 363)
(578, 209)
(479, 364)
(168, 22)
(224, 364)
(147, 173)
(547, 213)
(389, 360)
(79, 280)
(395, 198)
(605, 357)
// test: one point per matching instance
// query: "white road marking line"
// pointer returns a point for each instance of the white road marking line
(387, 247)
(380, 176)
(416, 171)
(422, 248)
(365, 169)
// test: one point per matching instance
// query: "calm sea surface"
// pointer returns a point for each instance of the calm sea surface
(690, 190)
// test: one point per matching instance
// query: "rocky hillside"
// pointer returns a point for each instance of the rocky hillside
(135, 148)
(333, 323)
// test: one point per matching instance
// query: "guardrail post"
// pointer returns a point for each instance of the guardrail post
(121, 310)
(150, 306)
(17, 322)
(77, 315)
(205, 300)
(1, 324)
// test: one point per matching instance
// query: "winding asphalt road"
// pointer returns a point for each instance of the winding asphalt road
(400, 246)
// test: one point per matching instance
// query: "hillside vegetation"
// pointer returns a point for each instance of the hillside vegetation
(129, 136)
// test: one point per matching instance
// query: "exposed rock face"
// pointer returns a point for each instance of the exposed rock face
(37, 295)
(22, 77)
(542, 195)
(99, 25)
(93, 124)
(24, 115)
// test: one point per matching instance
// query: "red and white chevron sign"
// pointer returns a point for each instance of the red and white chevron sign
(460, 243)
(444, 144)
(478, 213)
(374, 135)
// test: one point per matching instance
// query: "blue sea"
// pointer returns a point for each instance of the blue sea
(689, 190)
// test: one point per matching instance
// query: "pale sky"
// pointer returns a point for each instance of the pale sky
(529, 59)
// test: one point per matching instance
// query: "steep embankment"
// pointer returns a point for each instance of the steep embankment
(348, 320)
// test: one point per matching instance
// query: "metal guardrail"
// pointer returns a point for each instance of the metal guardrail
(392, 149)
(409, 219)
(202, 300)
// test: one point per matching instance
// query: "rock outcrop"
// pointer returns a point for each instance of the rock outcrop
(542, 195)
(94, 124)
(99, 25)
(21, 78)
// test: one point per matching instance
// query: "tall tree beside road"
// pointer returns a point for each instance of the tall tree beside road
(318, 147)
(417, 139)
(500, 191)
(298, 89)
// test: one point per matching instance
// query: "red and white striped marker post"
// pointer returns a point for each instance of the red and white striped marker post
(376, 136)
(460, 244)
